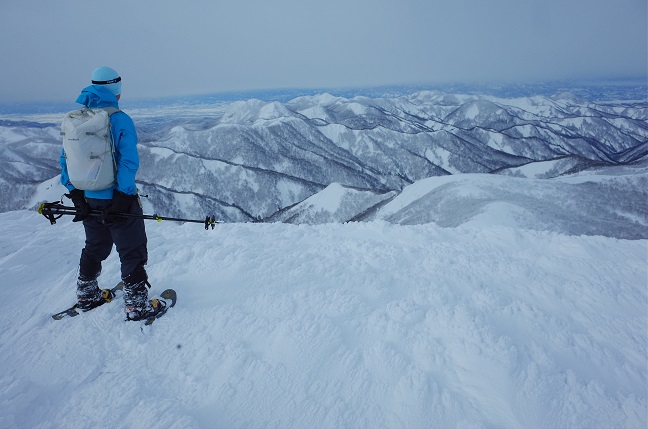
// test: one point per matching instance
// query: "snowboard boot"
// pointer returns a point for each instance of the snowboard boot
(136, 303)
(149, 311)
(88, 293)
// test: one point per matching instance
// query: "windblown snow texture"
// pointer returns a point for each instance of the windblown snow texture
(365, 324)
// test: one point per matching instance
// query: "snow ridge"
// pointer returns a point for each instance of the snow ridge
(251, 160)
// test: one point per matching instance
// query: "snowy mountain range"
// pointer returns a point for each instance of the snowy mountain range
(271, 161)
(427, 260)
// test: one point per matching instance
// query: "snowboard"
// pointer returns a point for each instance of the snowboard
(107, 296)
(169, 296)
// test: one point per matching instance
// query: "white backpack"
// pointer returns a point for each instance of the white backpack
(89, 149)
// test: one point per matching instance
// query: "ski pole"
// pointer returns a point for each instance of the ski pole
(55, 210)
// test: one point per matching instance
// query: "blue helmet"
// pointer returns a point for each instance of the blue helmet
(108, 78)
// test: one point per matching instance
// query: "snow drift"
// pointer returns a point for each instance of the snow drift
(339, 325)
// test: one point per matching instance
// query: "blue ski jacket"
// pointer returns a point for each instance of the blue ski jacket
(124, 137)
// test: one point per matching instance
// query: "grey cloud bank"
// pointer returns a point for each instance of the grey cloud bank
(165, 48)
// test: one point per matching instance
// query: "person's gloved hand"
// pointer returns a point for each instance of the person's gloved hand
(78, 199)
(121, 203)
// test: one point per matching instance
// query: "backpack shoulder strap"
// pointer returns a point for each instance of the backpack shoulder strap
(111, 110)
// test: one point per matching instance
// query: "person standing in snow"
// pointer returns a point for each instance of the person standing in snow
(127, 234)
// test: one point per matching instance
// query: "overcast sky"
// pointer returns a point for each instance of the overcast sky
(49, 48)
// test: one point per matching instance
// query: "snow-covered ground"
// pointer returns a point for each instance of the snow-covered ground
(357, 325)
(472, 300)
(610, 201)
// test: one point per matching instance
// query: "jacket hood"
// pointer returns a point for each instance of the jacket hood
(94, 96)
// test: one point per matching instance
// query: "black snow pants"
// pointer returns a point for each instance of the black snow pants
(127, 234)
